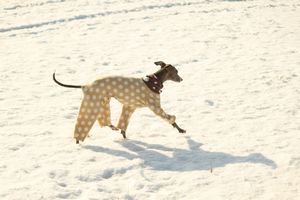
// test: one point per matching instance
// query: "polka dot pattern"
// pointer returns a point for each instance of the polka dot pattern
(131, 92)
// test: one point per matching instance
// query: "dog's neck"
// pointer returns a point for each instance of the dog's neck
(155, 81)
(161, 75)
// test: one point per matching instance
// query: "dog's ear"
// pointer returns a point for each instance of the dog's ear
(160, 63)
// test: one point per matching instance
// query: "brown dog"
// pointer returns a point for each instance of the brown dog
(131, 92)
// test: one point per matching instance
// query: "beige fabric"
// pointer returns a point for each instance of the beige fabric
(131, 92)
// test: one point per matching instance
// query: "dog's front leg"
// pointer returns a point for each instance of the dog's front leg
(178, 128)
(170, 118)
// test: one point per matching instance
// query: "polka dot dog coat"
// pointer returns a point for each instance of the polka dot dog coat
(131, 92)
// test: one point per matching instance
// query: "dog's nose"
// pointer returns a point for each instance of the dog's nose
(180, 79)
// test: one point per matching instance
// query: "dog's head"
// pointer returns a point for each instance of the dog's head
(171, 73)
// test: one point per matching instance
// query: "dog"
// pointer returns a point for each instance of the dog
(133, 93)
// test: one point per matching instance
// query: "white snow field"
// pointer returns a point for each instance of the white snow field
(239, 100)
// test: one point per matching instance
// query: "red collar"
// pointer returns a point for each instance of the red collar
(153, 83)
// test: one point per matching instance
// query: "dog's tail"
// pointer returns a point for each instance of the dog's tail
(65, 85)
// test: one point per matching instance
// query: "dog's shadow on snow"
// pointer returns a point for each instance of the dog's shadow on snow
(162, 158)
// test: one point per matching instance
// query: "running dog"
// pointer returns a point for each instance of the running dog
(133, 93)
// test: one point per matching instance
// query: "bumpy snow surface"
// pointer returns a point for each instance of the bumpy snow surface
(239, 100)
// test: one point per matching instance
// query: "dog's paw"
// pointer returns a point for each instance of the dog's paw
(182, 131)
(113, 127)
(123, 134)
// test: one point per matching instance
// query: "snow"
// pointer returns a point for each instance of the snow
(239, 99)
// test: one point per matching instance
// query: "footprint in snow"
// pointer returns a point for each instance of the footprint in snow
(209, 102)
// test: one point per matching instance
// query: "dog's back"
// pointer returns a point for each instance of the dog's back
(127, 90)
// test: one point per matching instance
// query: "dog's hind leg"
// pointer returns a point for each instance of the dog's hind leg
(124, 119)
(87, 116)
(104, 113)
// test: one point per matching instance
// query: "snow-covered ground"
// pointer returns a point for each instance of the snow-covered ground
(239, 101)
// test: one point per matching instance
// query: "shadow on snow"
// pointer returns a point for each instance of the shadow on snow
(193, 158)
